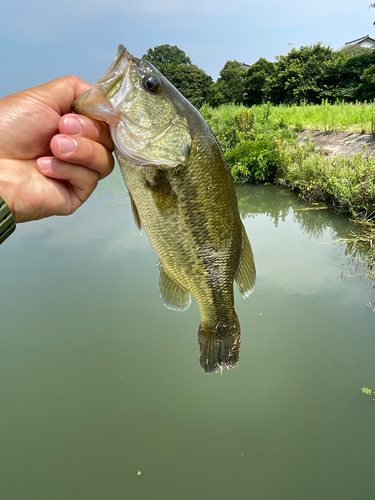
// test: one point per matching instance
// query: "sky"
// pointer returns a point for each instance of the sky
(44, 39)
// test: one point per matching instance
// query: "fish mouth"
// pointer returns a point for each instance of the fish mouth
(96, 102)
(115, 72)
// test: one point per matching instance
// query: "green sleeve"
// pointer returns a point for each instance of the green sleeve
(7, 222)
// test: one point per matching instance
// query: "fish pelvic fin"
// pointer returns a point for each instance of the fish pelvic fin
(173, 295)
(219, 346)
(245, 275)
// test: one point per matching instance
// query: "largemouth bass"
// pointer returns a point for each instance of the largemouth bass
(182, 195)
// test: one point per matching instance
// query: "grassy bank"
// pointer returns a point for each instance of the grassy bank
(338, 117)
(261, 144)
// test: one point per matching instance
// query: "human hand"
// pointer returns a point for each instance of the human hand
(50, 159)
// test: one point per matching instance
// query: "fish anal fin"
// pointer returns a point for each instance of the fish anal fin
(164, 197)
(135, 212)
(173, 295)
(245, 275)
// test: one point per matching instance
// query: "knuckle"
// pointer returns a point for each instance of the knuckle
(108, 166)
(91, 152)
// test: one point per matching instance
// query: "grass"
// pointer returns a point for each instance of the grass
(363, 245)
(338, 117)
(348, 184)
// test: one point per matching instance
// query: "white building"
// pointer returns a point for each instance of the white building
(365, 41)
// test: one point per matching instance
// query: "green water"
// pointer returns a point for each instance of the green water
(98, 380)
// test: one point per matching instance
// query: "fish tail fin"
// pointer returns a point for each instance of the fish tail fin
(219, 345)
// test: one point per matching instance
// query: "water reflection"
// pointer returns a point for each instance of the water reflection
(322, 224)
(278, 203)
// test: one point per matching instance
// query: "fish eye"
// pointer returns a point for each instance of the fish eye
(151, 83)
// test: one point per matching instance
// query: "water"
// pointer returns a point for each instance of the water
(98, 381)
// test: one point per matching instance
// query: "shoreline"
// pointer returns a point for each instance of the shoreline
(346, 144)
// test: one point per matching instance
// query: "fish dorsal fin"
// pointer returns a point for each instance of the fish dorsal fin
(135, 212)
(173, 295)
(245, 275)
(164, 197)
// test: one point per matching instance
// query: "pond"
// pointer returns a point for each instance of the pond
(102, 393)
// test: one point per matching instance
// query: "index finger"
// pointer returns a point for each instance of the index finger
(82, 126)
(60, 93)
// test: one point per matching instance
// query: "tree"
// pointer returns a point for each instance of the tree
(162, 56)
(175, 65)
(230, 86)
(356, 50)
(298, 75)
(367, 86)
(350, 74)
(257, 82)
(191, 81)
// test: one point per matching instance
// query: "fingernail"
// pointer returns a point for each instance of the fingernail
(44, 164)
(72, 125)
(66, 145)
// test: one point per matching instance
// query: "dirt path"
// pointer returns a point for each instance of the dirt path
(340, 143)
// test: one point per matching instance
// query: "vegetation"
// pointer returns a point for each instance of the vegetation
(252, 147)
(310, 74)
(191, 81)
(366, 390)
(261, 144)
(176, 66)
(337, 117)
(230, 86)
(162, 56)
(347, 184)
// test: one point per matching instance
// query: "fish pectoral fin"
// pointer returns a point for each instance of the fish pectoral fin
(245, 275)
(164, 197)
(135, 213)
(173, 295)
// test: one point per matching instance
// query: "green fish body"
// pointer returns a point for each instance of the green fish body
(182, 195)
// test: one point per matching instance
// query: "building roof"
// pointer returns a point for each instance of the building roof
(358, 41)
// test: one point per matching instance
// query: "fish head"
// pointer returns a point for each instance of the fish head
(145, 113)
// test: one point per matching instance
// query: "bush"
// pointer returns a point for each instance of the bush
(252, 145)
(345, 183)
(254, 160)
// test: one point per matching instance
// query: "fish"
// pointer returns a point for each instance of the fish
(182, 195)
